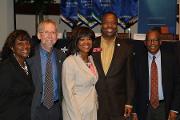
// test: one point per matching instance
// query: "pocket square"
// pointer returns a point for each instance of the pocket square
(97, 49)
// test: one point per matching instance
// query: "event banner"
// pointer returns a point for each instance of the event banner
(156, 13)
(89, 12)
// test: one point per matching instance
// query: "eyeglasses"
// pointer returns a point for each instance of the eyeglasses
(47, 33)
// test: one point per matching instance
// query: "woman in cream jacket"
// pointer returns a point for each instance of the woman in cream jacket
(79, 77)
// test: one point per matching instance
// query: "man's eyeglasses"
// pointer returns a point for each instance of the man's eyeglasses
(47, 32)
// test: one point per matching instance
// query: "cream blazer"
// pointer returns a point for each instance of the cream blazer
(78, 84)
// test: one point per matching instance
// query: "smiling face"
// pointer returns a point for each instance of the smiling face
(21, 49)
(109, 25)
(153, 42)
(48, 36)
(84, 45)
(82, 41)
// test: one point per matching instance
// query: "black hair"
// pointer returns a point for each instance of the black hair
(21, 35)
(109, 12)
(79, 33)
(154, 29)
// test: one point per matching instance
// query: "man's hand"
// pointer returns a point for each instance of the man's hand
(172, 115)
(134, 116)
(128, 110)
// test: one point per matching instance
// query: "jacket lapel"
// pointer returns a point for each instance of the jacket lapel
(164, 68)
(36, 62)
(59, 61)
(97, 57)
(82, 65)
(21, 71)
(145, 67)
(117, 52)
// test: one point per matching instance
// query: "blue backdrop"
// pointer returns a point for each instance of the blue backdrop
(155, 13)
(89, 12)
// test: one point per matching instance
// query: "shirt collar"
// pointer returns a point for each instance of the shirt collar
(103, 40)
(44, 52)
(150, 55)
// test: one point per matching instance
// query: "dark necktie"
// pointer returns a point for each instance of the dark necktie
(154, 98)
(48, 86)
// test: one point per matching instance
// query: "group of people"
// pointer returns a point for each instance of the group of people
(103, 78)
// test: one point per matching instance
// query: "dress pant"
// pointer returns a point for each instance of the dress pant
(158, 113)
(54, 113)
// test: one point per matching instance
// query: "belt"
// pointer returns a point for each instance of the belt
(160, 101)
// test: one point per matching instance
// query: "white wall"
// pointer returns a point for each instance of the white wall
(6, 19)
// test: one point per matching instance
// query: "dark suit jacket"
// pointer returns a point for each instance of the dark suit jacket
(116, 88)
(16, 91)
(35, 65)
(170, 81)
(177, 51)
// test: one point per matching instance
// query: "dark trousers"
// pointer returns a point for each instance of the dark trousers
(54, 113)
(178, 117)
(158, 113)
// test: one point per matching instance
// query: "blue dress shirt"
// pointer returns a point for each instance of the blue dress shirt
(43, 55)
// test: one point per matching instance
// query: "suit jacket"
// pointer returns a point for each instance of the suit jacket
(78, 83)
(16, 91)
(35, 65)
(177, 49)
(116, 88)
(170, 81)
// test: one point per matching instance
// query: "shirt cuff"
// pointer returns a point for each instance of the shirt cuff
(129, 106)
(174, 111)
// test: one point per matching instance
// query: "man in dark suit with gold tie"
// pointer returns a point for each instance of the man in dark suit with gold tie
(114, 61)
